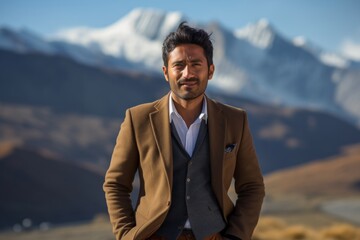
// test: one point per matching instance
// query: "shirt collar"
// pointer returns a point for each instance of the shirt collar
(174, 113)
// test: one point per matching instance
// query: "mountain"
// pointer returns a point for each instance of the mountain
(327, 58)
(52, 102)
(255, 62)
(44, 188)
(334, 176)
(25, 41)
(137, 37)
(68, 86)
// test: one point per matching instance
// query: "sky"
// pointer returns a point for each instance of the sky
(334, 25)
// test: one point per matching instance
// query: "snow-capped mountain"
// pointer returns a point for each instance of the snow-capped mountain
(260, 34)
(137, 37)
(23, 41)
(255, 61)
(328, 58)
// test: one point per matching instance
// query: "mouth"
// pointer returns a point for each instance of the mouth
(188, 83)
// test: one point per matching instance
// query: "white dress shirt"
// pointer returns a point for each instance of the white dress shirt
(188, 136)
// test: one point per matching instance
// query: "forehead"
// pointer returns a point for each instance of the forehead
(187, 51)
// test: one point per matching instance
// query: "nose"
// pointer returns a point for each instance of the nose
(187, 72)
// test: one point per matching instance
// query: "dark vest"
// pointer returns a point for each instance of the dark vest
(192, 195)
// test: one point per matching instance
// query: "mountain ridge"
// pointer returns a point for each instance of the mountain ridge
(257, 62)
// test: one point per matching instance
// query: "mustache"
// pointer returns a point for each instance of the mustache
(183, 81)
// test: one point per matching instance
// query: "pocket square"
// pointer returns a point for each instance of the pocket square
(229, 148)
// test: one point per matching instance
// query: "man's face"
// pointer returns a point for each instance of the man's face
(188, 72)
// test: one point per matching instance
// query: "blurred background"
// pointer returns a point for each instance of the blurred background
(68, 72)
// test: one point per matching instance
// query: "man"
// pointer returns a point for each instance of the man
(187, 149)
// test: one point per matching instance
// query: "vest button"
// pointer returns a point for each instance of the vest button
(187, 197)
(188, 180)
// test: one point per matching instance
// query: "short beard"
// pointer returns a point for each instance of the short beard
(186, 97)
(182, 81)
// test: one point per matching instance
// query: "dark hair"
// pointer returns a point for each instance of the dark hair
(185, 35)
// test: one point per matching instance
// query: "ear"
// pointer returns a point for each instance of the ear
(165, 71)
(211, 71)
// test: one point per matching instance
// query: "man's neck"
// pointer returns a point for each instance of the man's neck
(189, 110)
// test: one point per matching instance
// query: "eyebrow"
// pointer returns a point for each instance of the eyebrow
(196, 60)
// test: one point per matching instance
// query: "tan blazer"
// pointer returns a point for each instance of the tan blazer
(144, 144)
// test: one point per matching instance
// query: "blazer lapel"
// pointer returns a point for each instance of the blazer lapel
(217, 130)
(160, 124)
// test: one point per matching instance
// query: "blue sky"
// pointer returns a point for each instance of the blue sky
(331, 24)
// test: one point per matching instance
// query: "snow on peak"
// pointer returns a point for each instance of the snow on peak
(300, 41)
(140, 29)
(351, 49)
(263, 23)
(260, 34)
(150, 23)
(335, 60)
(330, 59)
(73, 35)
(23, 41)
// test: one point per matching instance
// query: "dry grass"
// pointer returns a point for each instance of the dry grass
(270, 228)
(341, 232)
(96, 230)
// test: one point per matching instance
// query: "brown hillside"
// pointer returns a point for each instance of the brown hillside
(45, 189)
(335, 176)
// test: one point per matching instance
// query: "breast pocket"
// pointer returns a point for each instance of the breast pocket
(230, 150)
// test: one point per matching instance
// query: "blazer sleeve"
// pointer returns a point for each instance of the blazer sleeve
(119, 179)
(249, 187)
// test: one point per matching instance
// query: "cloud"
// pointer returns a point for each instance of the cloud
(350, 49)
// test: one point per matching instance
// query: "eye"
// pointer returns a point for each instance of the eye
(196, 64)
(178, 65)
